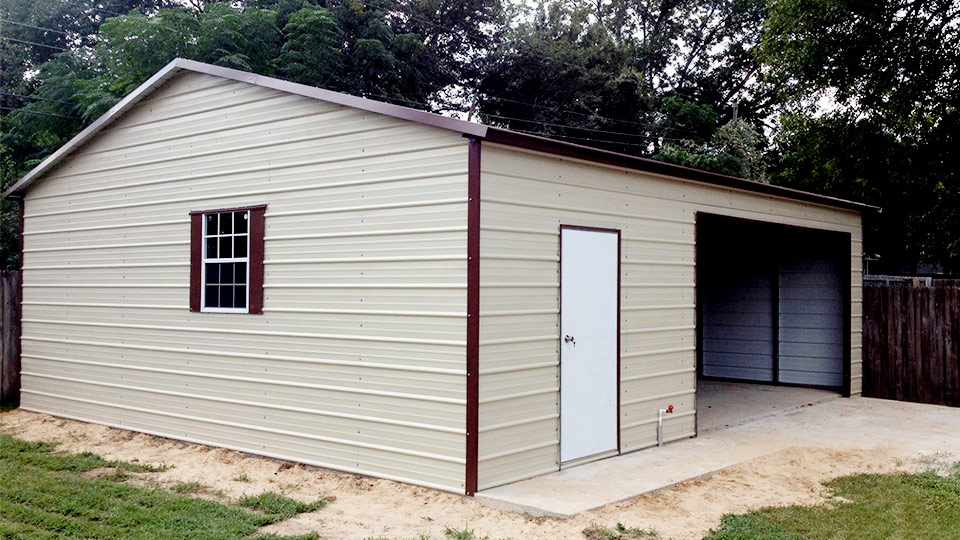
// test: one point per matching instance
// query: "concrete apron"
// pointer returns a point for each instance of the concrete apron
(909, 429)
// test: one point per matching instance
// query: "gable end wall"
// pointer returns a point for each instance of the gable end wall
(358, 360)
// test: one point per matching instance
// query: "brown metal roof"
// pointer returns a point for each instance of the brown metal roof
(467, 129)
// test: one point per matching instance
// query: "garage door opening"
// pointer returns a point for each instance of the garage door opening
(772, 320)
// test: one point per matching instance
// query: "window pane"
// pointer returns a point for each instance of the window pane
(240, 296)
(225, 247)
(226, 296)
(211, 297)
(211, 220)
(213, 273)
(239, 222)
(226, 223)
(240, 273)
(226, 273)
(211, 248)
(240, 246)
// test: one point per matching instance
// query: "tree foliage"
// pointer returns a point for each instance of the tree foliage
(852, 98)
(892, 69)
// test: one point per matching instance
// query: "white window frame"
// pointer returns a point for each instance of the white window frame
(205, 260)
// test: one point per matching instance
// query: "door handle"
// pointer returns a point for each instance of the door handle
(570, 339)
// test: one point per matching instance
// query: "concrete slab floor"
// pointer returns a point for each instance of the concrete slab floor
(724, 404)
(907, 429)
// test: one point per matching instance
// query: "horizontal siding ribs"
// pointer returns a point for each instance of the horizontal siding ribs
(386, 206)
(520, 367)
(109, 227)
(518, 312)
(266, 192)
(215, 152)
(650, 421)
(655, 329)
(656, 375)
(398, 313)
(657, 308)
(348, 337)
(74, 247)
(517, 202)
(655, 352)
(171, 264)
(517, 395)
(332, 260)
(515, 451)
(247, 449)
(525, 339)
(699, 205)
(274, 382)
(252, 356)
(110, 306)
(253, 427)
(365, 233)
(316, 412)
(522, 422)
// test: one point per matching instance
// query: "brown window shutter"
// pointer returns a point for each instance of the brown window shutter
(196, 259)
(256, 259)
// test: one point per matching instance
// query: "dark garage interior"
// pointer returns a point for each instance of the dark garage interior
(772, 312)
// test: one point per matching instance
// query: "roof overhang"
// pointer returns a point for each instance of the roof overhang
(467, 129)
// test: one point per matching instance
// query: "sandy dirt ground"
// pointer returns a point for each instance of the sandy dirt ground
(364, 507)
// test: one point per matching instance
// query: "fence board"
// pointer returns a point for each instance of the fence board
(912, 343)
(10, 339)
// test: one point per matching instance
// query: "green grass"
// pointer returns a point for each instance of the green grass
(901, 506)
(186, 487)
(46, 495)
(278, 507)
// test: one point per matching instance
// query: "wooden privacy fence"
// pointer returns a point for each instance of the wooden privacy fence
(10, 338)
(911, 343)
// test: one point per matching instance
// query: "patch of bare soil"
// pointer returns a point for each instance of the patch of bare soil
(363, 507)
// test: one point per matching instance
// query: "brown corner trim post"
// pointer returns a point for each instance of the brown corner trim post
(473, 314)
(196, 258)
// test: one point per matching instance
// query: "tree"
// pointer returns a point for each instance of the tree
(629, 76)
(91, 54)
(892, 70)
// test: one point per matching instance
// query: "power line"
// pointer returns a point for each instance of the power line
(33, 43)
(28, 111)
(36, 98)
(608, 141)
(552, 124)
(35, 27)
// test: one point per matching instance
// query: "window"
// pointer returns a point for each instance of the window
(227, 260)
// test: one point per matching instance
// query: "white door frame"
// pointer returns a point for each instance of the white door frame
(616, 450)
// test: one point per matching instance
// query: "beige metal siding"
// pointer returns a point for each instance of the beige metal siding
(525, 198)
(358, 361)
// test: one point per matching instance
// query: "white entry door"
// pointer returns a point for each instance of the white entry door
(589, 291)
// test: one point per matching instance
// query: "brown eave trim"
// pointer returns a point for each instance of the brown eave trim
(468, 129)
(473, 316)
(596, 155)
(234, 209)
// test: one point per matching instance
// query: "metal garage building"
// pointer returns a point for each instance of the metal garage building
(240, 261)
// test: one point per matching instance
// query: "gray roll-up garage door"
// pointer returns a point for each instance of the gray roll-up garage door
(811, 315)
